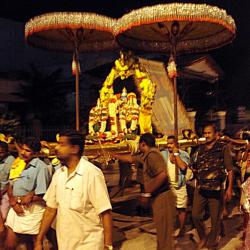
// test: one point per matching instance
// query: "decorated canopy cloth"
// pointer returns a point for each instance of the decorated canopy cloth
(163, 108)
(64, 31)
(197, 28)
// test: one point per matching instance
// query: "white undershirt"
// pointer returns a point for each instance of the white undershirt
(171, 172)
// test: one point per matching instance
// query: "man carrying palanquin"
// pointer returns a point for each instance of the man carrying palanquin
(212, 164)
(157, 188)
(177, 161)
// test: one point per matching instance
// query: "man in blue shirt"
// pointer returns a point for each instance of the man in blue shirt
(26, 194)
(6, 161)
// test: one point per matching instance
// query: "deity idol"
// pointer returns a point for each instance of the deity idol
(122, 111)
(132, 112)
(147, 88)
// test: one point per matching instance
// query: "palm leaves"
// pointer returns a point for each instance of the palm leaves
(45, 99)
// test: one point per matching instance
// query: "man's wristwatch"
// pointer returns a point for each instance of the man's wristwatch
(146, 195)
(109, 247)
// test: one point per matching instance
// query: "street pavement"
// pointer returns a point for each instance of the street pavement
(135, 230)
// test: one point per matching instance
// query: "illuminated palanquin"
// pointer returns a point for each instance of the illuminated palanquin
(118, 119)
(119, 116)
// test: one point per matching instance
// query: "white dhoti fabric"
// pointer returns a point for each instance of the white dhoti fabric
(4, 207)
(29, 223)
(181, 197)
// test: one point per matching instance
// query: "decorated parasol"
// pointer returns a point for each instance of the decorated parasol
(73, 32)
(175, 28)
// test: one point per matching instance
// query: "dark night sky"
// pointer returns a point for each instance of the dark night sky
(234, 58)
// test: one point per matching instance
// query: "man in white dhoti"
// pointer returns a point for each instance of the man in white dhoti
(25, 195)
(177, 162)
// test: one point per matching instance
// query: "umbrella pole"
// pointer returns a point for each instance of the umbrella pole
(173, 38)
(175, 110)
(77, 96)
(173, 55)
(76, 72)
(172, 75)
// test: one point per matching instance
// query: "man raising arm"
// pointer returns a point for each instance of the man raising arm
(157, 189)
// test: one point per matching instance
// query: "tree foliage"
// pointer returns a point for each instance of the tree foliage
(44, 96)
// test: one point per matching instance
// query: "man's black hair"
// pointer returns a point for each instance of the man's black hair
(75, 138)
(210, 124)
(171, 137)
(33, 143)
(4, 146)
(148, 138)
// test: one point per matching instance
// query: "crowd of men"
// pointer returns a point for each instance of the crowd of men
(71, 206)
(75, 201)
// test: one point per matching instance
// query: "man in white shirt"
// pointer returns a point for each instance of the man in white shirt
(78, 198)
(177, 162)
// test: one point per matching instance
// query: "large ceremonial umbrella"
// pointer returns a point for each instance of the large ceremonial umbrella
(175, 28)
(73, 32)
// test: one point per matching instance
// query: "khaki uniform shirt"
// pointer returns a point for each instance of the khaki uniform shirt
(153, 163)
